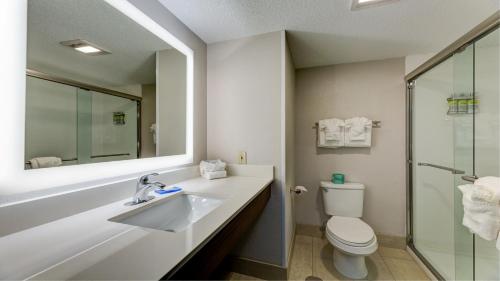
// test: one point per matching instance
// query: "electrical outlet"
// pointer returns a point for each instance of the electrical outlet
(242, 159)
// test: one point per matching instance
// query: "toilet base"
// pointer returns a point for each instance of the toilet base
(352, 266)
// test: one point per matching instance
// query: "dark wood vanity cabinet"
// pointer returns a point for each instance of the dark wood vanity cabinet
(206, 259)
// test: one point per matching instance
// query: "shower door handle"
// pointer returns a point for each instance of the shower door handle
(452, 170)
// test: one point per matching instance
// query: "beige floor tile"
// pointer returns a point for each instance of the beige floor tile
(324, 269)
(377, 269)
(405, 269)
(301, 263)
(238, 276)
(394, 253)
(303, 239)
(322, 248)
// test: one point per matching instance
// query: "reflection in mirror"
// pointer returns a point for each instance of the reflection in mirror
(99, 87)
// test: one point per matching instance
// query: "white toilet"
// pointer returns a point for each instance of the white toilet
(351, 237)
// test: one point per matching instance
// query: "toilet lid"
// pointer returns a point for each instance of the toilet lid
(351, 231)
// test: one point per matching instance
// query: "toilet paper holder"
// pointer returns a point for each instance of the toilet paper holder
(298, 189)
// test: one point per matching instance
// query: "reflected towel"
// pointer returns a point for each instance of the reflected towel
(45, 162)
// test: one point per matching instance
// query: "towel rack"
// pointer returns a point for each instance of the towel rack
(375, 124)
(110, 155)
(452, 170)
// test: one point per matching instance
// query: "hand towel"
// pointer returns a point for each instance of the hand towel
(357, 127)
(45, 162)
(332, 128)
(214, 175)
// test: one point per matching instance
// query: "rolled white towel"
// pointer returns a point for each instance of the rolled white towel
(45, 162)
(480, 217)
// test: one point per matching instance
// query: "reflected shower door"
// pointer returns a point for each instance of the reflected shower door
(107, 127)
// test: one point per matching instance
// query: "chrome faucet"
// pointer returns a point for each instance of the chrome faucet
(143, 187)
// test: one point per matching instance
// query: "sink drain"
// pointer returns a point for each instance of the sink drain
(313, 278)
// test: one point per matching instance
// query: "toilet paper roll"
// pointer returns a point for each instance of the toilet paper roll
(299, 189)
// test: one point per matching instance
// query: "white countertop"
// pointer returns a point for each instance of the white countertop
(88, 246)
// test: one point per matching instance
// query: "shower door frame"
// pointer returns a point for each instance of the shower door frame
(490, 24)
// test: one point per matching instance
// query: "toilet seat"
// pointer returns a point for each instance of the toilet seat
(351, 231)
(351, 235)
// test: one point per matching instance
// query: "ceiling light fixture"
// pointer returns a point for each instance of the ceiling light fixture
(360, 4)
(85, 47)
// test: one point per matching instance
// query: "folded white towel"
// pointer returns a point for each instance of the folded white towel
(45, 162)
(332, 129)
(487, 189)
(212, 166)
(214, 175)
(357, 127)
(480, 217)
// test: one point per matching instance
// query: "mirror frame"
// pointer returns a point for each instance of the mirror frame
(13, 178)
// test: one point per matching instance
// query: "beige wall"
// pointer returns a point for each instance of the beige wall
(373, 89)
(244, 114)
(414, 61)
(148, 117)
(171, 96)
(156, 11)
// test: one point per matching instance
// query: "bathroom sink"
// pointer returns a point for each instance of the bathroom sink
(172, 214)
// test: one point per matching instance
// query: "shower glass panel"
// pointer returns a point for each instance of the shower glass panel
(463, 151)
(455, 125)
(487, 141)
(433, 188)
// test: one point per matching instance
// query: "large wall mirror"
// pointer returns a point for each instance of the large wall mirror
(100, 87)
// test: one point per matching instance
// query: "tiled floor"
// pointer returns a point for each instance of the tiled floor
(312, 256)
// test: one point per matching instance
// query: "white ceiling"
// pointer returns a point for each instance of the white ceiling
(324, 32)
(132, 58)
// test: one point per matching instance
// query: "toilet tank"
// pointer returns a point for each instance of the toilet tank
(345, 200)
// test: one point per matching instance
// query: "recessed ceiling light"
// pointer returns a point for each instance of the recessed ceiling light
(360, 4)
(85, 47)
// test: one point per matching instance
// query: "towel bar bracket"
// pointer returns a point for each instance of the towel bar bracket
(470, 178)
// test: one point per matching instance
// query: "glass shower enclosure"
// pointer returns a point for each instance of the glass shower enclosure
(454, 124)
(77, 124)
